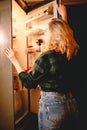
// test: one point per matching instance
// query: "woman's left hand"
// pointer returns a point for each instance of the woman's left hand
(10, 54)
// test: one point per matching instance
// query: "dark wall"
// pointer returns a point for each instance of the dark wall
(77, 17)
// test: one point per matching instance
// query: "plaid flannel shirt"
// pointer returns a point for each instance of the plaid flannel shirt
(48, 72)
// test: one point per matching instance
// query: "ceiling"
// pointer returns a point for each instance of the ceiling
(28, 5)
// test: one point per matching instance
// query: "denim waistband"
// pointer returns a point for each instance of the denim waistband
(57, 94)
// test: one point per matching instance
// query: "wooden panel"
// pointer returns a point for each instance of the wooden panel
(74, 1)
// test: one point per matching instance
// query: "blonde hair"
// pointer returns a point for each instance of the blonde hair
(61, 39)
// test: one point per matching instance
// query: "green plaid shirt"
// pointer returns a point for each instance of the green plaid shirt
(48, 72)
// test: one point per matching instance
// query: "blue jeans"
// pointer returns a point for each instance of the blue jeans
(57, 111)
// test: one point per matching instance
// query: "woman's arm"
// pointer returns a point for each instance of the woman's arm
(11, 56)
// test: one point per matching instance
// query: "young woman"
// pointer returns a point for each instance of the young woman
(57, 107)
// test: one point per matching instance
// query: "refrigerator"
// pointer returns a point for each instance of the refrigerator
(36, 23)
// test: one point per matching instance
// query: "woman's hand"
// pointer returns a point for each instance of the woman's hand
(10, 54)
(62, 11)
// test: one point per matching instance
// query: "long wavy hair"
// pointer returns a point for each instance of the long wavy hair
(60, 38)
